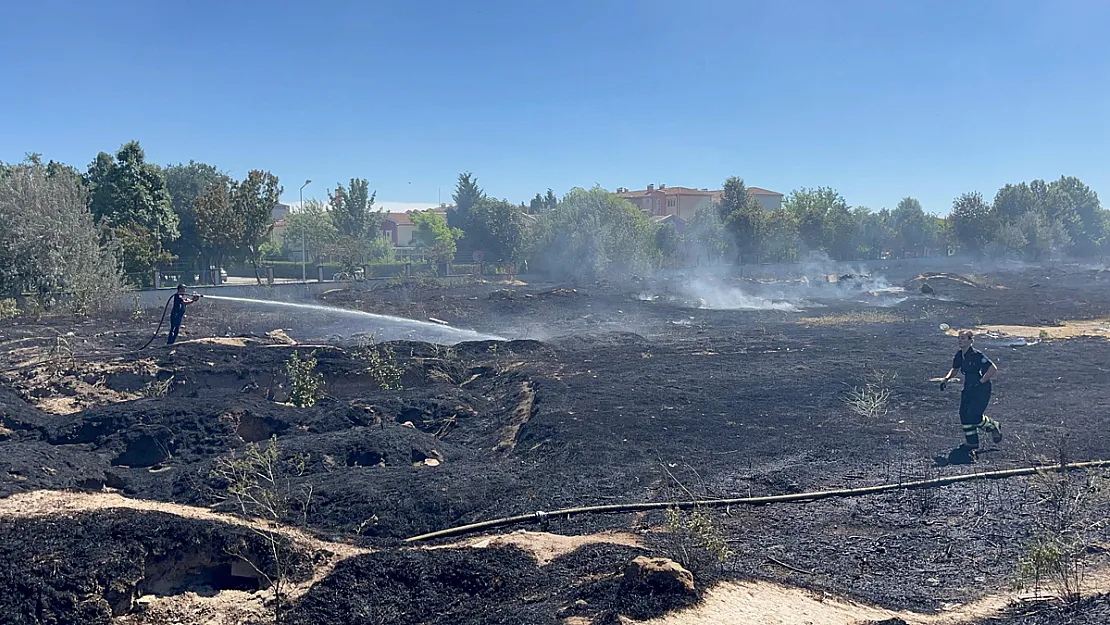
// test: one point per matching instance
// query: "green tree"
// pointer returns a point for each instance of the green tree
(875, 232)
(434, 235)
(550, 201)
(49, 241)
(781, 240)
(356, 221)
(219, 229)
(1076, 207)
(668, 241)
(185, 183)
(840, 233)
(707, 235)
(911, 224)
(535, 206)
(974, 222)
(467, 194)
(810, 208)
(129, 196)
(594, 233)
(313, 225)
(743, 216)
(253, 201)
(497, 228)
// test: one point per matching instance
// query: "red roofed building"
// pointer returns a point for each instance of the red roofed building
(399, 228)
(684, 202)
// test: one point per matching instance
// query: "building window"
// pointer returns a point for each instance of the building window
(671, 202)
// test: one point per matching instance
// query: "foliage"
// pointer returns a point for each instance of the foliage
(304, 380)
(314, 225)
(381, 364)
(810, 208)
(743, 217)
(263, 484)
(49, 241)
(706, 233)
(128, 194)
(780, 238)
(667, 240)
(467, 194)
(695, 537)
(974, 222)
(357, 223)
(875, 233)
(434, 235)
(252, 202)
(8, 309)
(185, 183)
(542, 203)
(497, 228)
(218, 228)
(1071, 511)
(594, 233)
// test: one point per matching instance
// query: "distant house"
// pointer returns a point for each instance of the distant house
(400, 229)
(685, 202)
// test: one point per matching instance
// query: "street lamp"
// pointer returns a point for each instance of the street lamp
(300, 193)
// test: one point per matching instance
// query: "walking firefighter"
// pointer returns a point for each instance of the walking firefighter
(977, 371)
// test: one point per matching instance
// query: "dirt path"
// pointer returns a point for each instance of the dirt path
(765, 603)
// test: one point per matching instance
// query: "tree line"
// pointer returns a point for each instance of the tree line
(90, 232)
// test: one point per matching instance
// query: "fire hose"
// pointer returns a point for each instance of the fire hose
(534, 517)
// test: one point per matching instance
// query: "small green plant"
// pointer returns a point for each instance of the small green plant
(381, 363)
(695, 537)
(1043, 334)
(872, 400)
(304, 380)
(1071, 511)
(263, 484)
(8, 309)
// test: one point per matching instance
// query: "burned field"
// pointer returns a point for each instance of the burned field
(117, 494)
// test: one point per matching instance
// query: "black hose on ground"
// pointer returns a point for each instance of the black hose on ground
(160, 321)
(753, 501)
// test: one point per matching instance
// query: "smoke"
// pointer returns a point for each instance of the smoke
(718, 296)
(816, 283)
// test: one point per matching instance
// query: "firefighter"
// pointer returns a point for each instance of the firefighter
(180, 301)
(977, 371)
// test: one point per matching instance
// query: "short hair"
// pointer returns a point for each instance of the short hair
(967, 334)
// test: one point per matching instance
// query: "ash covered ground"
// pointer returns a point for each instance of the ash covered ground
(653, 390)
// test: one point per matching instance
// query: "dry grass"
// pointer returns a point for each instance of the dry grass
(851, 318)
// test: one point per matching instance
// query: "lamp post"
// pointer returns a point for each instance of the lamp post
(300, 193)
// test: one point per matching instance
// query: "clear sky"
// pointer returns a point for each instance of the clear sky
(878, 99)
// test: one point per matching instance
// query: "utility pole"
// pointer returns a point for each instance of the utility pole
(304, 257)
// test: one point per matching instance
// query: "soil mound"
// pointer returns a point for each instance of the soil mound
(91, 567)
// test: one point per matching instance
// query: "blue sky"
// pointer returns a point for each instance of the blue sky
(878, 99)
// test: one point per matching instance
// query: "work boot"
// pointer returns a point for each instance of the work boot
(994, 427)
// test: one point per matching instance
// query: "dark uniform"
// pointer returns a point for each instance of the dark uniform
(176, 316)
(976, 395)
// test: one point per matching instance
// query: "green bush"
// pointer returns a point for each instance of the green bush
(304, 380)
(8, 309)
